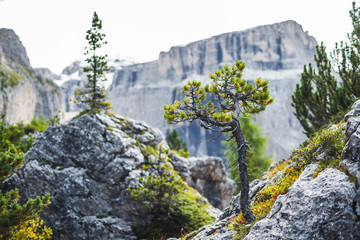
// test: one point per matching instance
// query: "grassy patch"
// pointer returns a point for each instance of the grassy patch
(279, 167)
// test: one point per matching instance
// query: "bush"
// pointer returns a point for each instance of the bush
(175, 207)
(18, 221)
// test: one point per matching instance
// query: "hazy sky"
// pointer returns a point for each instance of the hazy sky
(53, 31)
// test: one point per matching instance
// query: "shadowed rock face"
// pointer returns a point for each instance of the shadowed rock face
(88, 164)
(24, 92)
(274, 52)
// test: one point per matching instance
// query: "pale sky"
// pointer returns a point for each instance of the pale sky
(53, 31)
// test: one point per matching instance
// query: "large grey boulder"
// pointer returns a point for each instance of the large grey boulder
(87, 165)
(208, 176)
(352, 138)
(320, 208)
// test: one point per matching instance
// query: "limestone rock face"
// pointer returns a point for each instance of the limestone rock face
(320, 208)
(24, 92)
(275, 52)
(12, 47)
(87, 165)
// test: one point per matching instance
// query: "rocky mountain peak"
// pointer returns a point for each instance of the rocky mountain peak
(277, 46)
(13, 48)
(25, 92)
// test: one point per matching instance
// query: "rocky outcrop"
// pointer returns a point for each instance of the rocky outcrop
(208, 176)
(24, 92)
(320, 208)
(87, 165)
(323, 207)
(13, 48)
(274, 52)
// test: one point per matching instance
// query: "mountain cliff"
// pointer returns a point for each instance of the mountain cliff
(25, 92)
(274, 52)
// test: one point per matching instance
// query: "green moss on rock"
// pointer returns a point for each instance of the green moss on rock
(8, 78)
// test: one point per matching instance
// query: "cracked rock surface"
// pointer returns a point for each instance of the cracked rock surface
(320, 208)
(87, 165)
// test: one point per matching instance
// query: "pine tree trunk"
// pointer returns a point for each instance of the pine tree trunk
(244, 176)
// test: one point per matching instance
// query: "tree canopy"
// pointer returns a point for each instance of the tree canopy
(321, 98)
(217, 106)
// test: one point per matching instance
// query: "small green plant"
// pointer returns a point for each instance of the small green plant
(176, 144)
(52, 121)
(217, 107)
(175, 207)
(18, 220)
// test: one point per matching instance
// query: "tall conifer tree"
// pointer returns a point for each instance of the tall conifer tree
(318, 97)
(347, 56)
(94, 96)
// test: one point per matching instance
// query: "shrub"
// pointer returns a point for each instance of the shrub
(175, 207)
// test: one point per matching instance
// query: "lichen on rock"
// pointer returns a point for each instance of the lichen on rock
(87, 165)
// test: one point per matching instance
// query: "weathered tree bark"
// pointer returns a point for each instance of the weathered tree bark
(244, 176)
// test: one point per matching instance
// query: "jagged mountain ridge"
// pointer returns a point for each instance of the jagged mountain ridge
(25, 92)
(274, 52)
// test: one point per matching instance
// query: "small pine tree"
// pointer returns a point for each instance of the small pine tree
(15, 219)
(217, 108)
(94, 96)
(257, 159)
(177, 144)
(318, 97)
